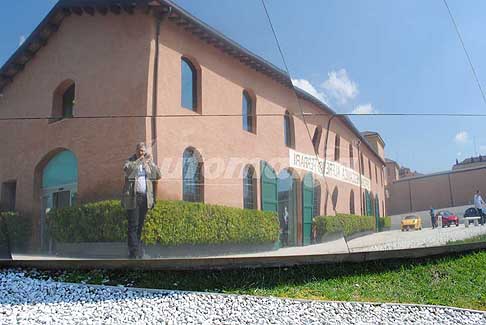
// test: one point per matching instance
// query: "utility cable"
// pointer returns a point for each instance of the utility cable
(465, 51)
(55, 118)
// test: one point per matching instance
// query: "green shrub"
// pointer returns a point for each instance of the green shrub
(19, 229)
(347, 224)
(169, 223)
(178, 222)
(386, 222)
(92, 222)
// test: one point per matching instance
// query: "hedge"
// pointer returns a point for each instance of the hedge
(347, 224)
(179, 222)
(19, 229)
(170, 223)
(386, 222)
(104, 221)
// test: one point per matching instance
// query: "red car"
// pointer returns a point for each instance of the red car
(448, 218)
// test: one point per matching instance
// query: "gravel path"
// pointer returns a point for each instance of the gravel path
(427, 237)
(31, 301)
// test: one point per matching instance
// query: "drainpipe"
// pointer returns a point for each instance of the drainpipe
(159, 17)
(360, 179)
(325, 159)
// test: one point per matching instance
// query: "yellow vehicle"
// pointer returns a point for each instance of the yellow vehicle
(411, 222)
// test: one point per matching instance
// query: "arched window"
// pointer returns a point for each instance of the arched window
(63, 101)
(351, 203)
(189, 84)
(316, 138)
(249, 188)
(351, 156)
(337, 144)
(369, 169)
(249, 116)
(192, 176)
(289, 130)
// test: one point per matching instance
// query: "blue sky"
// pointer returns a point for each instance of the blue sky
(371, 56)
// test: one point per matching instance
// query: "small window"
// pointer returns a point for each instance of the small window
(316, 138)
(376, 174)
(351, 156)
(9, 192)
(249, 116)
(249, 188)
(189, 81)
(64, 99)
(337, 144)
(288, 130)
(192, 176)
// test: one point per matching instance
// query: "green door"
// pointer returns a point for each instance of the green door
(269, 187)
(307, 208)
(369, 210)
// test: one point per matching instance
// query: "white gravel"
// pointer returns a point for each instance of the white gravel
(24, 300)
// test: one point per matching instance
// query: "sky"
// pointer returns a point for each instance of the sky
(375, 56)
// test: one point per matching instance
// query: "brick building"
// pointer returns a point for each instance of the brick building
(95, 77)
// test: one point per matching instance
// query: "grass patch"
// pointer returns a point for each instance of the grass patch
(476, 239)
(458, 280)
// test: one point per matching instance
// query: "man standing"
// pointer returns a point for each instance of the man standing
(138, 195)
(432, 217)
(478, 204)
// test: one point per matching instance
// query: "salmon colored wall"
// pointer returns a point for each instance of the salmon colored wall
(223, 80)
(439, 191)
(108, 58)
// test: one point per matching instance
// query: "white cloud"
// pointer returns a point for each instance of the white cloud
(340, 87)
(364, 109)
(308, 87)
(459, 154)
(461, 137)
(482, 149)
(21, 40)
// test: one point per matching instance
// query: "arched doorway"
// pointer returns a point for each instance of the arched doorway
(287, 205)
(59, 186)
(307, 208)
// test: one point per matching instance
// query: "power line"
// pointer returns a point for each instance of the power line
(55, 118)
(465, 51)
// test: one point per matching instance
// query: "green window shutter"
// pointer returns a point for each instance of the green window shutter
(307, 208)
(268, 187)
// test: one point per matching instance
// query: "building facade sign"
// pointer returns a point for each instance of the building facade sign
(331, 169)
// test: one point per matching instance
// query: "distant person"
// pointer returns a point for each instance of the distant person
(478, 204)
(138, 195)
(285, 227)
(432, 217)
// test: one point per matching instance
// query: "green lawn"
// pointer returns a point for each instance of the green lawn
(476, 239)
(455, 281)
